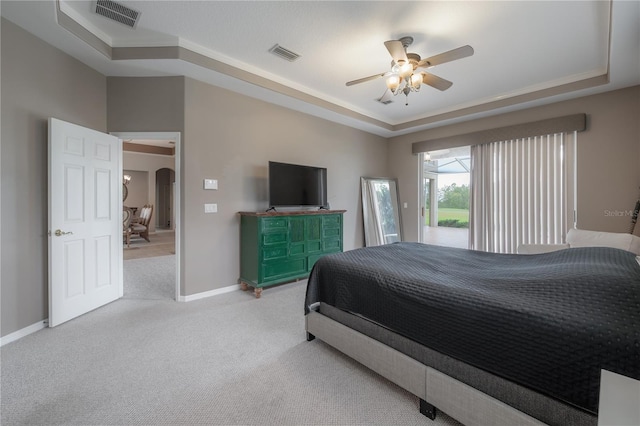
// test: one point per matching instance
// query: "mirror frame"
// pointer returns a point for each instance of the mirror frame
(368, 215)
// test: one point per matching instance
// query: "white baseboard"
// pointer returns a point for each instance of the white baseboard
(44, 323)
(210, 293)
(12, 337)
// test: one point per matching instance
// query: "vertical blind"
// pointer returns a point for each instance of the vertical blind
(522, 192)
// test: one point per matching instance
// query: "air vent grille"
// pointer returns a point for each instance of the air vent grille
(385, 101)
(284, 53)
(117, 12)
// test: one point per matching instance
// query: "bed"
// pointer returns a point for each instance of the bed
(487, 338)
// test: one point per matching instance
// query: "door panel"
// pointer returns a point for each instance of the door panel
(74, 268)
(103, 260)
(102, 194)
(73, 193)
(85, 221)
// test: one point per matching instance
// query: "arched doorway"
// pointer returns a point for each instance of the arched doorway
(165, 181)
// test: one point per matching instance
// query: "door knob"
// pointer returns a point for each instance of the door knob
(59, 233)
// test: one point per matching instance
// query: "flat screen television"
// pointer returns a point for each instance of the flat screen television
(294, 185)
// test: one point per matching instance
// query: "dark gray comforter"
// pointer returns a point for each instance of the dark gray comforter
(549, 322)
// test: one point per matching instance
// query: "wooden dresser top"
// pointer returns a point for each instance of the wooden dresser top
(290, 213)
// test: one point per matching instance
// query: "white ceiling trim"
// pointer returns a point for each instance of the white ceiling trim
(71, 13)
(517, 94)
(198, 55)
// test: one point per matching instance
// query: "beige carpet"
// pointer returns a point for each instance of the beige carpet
(225, 360)
(162, 243)
(150, 278)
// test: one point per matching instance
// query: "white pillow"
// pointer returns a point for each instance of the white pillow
(583, 238)
(540, 248)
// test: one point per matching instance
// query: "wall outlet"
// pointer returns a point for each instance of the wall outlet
(210, 208)
(210, 184)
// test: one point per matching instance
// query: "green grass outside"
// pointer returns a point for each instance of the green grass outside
(450, 214)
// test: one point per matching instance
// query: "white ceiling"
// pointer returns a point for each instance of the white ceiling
(520, 48)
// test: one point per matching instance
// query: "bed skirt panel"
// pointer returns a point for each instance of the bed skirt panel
(400, 369)
(458, 400)
(470, 406)
(411, 366)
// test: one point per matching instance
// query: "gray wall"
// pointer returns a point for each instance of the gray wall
(231, 138)
(145, 104)
(608, 157)
(38, 82)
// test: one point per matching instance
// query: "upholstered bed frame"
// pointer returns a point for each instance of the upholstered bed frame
(466, 393)
(426, 380)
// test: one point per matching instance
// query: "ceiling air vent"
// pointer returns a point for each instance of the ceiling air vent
(385, 101)
(117, 12)
(284, 53)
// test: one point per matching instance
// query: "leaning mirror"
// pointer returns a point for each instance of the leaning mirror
(380, 211)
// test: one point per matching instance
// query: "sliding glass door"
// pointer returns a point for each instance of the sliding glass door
(444, 204)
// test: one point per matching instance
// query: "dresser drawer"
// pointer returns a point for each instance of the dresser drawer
(314, 246)
(277, 269)
(275, 238)
(297, 249)
(275, 252)
(331, 233)
(274, 223)
(332, 244)
(332, 221)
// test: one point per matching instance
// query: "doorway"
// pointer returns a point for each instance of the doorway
(153, 158)
(444, 193)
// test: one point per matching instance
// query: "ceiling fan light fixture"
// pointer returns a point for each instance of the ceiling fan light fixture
(404, 77)
(405, 70)
(416, 81)
(393, 81)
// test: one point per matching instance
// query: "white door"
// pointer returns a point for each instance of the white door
(85, 220)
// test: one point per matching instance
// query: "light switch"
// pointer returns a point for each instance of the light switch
(210, 184)
(210, 208)
(406, 205)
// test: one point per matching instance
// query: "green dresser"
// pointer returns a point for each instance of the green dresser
(277, 247)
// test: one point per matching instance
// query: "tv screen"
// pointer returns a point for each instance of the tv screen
(296, 185)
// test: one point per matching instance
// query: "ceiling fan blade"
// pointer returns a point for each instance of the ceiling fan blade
(396, 49)
(435, 81)
(362, 80)
(451, 55)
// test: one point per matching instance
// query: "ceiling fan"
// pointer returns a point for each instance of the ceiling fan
(404, 76)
